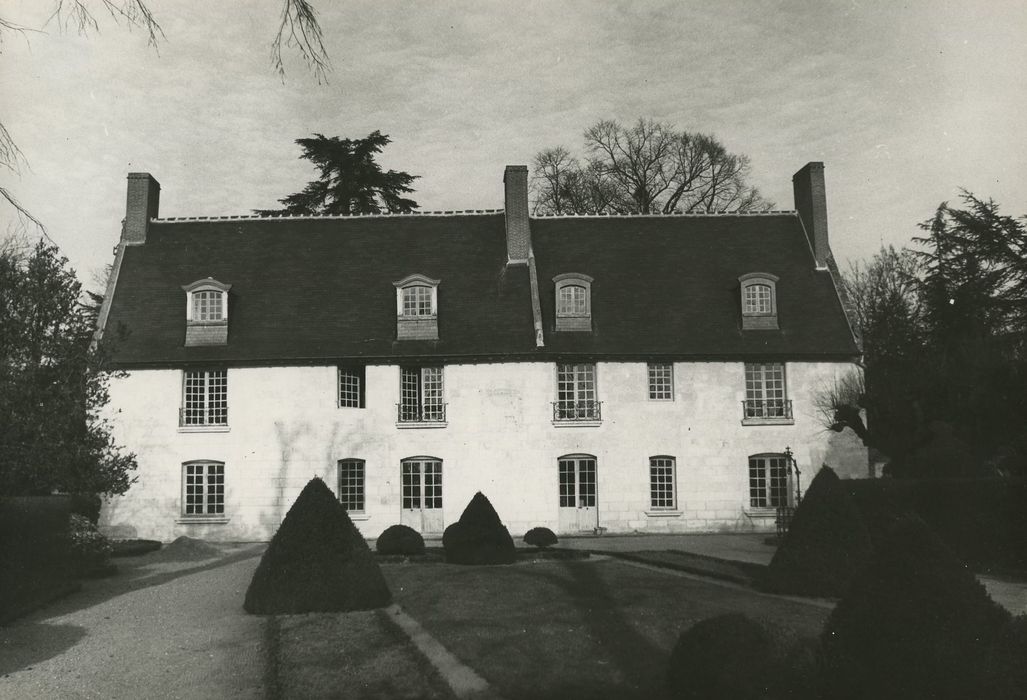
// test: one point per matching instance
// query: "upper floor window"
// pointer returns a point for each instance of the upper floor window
(759, 301)
(573, 302)
(766, 396)
(576, 394)
(421, 397)
(206, 312)
(417, 308)
(204, 400)
(351, 387)
(661, 381)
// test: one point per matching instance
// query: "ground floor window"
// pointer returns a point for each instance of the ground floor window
(351, 484)
(203, 488)
(421, 483)
(577, 481)
(662, 486)
(768, 481)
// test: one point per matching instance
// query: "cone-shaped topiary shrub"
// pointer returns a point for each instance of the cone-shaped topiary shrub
(316, 562)
(400, 539)
(479, 537)
(728, 656)
(1006, 671)
(540, 537)
(914, 624)
(826, 543)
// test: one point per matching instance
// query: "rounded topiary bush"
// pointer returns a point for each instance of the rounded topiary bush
(316, 562)
(400, 539)
(728, 656)
(540, 537)
(479, 537)
(827, 542)
(915, 624)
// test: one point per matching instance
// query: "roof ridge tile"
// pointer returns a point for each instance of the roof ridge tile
(298, 217)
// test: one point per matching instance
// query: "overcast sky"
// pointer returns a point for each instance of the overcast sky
(904, 102)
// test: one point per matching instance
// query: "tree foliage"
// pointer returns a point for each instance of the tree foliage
(52, 383)
(349, 180)
(943, 328)
(647, 168)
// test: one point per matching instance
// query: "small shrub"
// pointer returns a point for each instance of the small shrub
(728, 656)
(316, 562)
(826, 543)
(479, 537)
(914, 624)
(540, 537)
(90, 551)
(400, 539)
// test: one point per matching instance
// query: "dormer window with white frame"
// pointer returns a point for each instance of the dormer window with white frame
(573, 302)
(759, 301)
(417, 308)
(206, 312)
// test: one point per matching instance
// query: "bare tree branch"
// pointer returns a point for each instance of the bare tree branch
(23, 213)
(299, 28)
(134, 13)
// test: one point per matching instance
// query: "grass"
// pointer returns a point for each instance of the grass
(574, 629)
(351, 655)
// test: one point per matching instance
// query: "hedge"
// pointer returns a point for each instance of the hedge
(982, 520)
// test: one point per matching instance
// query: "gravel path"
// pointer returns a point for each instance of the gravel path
(170, 625)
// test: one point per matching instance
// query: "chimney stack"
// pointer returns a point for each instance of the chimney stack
(518, 234)
(143, 203)
(811, 203)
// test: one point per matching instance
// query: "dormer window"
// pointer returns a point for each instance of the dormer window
(573, 302)
(759, 301)
(417, 303)
(206, 312)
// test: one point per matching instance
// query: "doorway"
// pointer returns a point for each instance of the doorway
(578, 510)
(421, 479)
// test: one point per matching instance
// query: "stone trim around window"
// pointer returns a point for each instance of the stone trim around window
(201, 331)
(573, 302)
(413, 322)
(758, 296)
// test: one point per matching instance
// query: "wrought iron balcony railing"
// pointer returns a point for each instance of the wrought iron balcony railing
(577, 410)
(428, 413)
(197, 417)
(767, 408)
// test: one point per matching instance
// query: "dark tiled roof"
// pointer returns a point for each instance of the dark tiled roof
(310, 290)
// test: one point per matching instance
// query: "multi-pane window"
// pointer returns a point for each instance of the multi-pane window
(768, 481)
(576, 392)
(351, 387)
(203, 488)
(661, 483)
(351, 484)
(417, 301)
(421, 483)
(577, 482)
(661, 381)
(757, 299)
(208, 306)
(421, 394)
(572, 300)
(205, 398)
(765, 390)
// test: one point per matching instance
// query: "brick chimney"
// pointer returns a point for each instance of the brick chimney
(142, 205)
(811, 203)
(518, 234)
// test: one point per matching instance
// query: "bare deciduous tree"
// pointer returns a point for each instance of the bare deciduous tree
(647, 168)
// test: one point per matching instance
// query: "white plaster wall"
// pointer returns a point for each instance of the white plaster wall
(285, 427)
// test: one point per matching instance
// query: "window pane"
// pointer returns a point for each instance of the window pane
(204, 489)
(351, 484)
(417, 301)
(205, 400)
(350, 379)
(568, 482)
(208, 306)
(572, 300)
(765, 390)
(661, 382)
(411, 484)
(661, 482)
(757, 299)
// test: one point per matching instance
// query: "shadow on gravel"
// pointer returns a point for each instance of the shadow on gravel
(134, 577)
(36, 642)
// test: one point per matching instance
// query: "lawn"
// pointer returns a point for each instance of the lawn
(574, 629)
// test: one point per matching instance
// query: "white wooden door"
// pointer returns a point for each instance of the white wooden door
(578, 511)
(421, 480)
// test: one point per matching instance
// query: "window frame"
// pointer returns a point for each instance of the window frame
(758, 320)
(428, 389)
(653, 483)
(649, 368)
(208, 285)
(359, 374)
(569, 411)
(756, 408)
(360, 482)
(572, 320)
(209, 389)
(763, 495)
(206, 514)
(410, 282)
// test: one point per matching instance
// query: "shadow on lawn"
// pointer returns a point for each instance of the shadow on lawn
(131, 578)
(640, 662)
(36, 642)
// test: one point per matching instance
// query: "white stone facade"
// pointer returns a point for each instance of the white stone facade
(285, 426)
